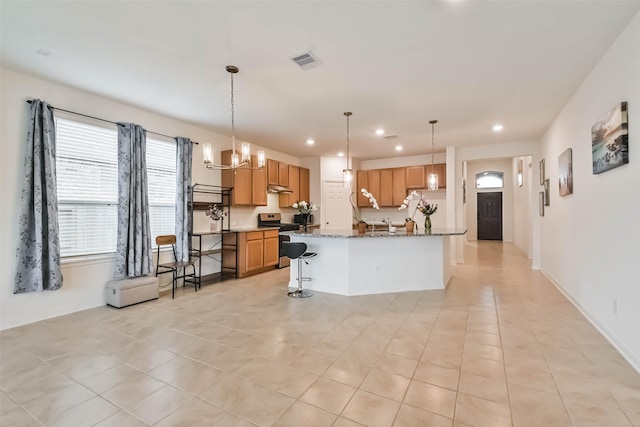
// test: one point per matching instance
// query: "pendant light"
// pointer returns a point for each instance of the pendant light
(347, 174)
(237, 160)
(432, 178)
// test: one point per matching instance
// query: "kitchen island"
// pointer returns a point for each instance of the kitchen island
(352, 263)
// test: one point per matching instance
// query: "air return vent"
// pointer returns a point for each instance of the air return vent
(306, 60)
(391, 137)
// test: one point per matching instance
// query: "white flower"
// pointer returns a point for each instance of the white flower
(372, 199)
(295, 206)
(315, 208)
(410, 197)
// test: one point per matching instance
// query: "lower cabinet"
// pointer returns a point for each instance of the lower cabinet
(257, 251)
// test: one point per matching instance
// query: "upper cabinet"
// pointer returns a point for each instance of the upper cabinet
(258, 183)
(298, 184)
(304, 184)
(391, 186)
(416, 177)
(272, 172)
(239, 179)
(283, 174)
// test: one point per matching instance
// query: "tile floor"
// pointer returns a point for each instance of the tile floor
(500, 347)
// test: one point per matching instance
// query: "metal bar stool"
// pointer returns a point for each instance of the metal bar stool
(298, 250)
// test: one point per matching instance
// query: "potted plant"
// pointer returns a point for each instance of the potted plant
(216, 214)
(410, 224)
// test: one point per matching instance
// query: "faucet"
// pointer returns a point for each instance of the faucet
(388, 222)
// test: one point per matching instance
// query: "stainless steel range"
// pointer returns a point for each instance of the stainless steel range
(275, 220)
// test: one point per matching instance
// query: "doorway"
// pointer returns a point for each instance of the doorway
(335, 206)
(490, 216)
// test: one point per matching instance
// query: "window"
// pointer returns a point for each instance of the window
(489, 179)
(87, 170)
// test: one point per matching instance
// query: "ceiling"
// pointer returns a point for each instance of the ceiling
(394, 64)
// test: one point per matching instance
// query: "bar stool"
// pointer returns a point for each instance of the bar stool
(298, 250)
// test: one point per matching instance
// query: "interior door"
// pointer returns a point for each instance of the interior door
(490, 216)
(336, 206)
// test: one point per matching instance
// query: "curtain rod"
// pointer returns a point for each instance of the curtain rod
(29, 101)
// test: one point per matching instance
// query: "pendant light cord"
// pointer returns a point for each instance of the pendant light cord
(233, 119)
(348, 115)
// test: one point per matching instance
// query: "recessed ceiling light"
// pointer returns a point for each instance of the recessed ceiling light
(380, 132)
(340, 154)
(43, 52)
(310, 141)
(498, 128)
(398, 147)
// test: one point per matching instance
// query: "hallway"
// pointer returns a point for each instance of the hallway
(499, 347)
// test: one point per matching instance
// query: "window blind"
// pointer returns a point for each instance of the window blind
(87, 180)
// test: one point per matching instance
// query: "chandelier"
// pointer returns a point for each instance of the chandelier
(432, 178)
(237, 160)
(347, 174)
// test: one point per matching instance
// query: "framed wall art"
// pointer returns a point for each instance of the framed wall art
(610, 140)
(565, 172)
(542, 172)
(541, 203)
(546, 193)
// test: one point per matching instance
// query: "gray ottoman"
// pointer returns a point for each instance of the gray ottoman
(124, 292)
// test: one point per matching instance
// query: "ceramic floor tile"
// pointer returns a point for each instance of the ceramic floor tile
(193, 413)
(431, 398)
(494, 389)
(385, 384)
(121, 419)
(437, 375)
(479, 412)
(302, 414)
(395, 364)
(87, 413)
(371, 410)
(414, 417)
(347, 372)
(157, 405)
(329, 395)
(498, 322)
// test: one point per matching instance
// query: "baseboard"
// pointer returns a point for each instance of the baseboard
(624, 352)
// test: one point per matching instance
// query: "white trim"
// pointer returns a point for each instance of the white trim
(73, 261)
(624, 352)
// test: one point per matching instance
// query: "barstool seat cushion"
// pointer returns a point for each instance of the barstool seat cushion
(293, 250)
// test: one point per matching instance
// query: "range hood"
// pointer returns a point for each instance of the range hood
(278, 189)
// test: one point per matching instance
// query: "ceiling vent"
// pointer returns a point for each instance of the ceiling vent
(391, 137)
(306, 60)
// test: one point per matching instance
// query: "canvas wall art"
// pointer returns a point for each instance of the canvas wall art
(610, 140)
(541, 203)
(565, 172)
(547, 196)
(542, 172)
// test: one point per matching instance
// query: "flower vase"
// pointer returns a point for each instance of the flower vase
(305, 219)
(216, 226)
(427, 224)
(410, 226)
(362, 227)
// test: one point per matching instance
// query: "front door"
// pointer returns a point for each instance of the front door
(490, 216)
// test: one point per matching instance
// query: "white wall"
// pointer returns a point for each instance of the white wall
(84, 280)
(522, 196)
(589, 240)
(499, 165)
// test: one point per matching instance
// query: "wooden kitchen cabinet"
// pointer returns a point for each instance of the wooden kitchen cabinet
(288, 199)
(362, 181)
(272, 172)
(283, 174)
(304, 184)
(239, 179)
(386, 188)
(441, 170)
(399, 186)
(257, 251)
(271, 248)
(416, 177)
(258, 184)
